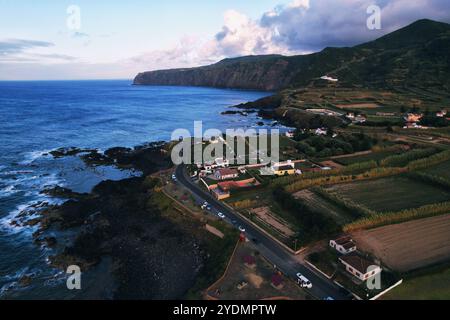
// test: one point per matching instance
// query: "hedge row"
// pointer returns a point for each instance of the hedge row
(382, 219)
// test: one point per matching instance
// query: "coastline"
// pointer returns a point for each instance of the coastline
(57, 235)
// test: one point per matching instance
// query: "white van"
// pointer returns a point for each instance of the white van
(303, 281)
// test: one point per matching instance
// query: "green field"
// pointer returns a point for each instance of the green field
(441, 170)
(435, 286)
(317, 203)
(391, 194)
(376, 156)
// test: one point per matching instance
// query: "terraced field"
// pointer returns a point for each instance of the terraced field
(391, 194)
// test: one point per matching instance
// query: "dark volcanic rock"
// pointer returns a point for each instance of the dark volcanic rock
(61, 192)
(154, 258)
(65, 152)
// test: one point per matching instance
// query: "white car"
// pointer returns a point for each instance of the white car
(303, 281)
(204, 205)
(221, 215)
(174, 177)
(241, 229)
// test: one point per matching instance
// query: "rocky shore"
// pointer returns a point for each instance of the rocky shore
(152, 257)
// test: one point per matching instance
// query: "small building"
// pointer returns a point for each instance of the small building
(225, 174)
(321, 132)
(350, 115)
(360, 267)
(290, 134)
(328, 78)
(250, 261)
(441, 114)
(360, 119)
(283, 168)
(277, 281)
(343, 245)
(413, 117)
(220, 194)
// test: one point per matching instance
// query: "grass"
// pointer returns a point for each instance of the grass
(326, 261)
(433, 286)
(391, 194)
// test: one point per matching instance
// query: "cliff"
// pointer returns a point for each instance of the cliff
(416, 54)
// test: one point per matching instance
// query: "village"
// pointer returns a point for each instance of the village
(326, 236)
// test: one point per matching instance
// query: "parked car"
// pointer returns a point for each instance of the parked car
(221, 215)
(241, 229)
(205, 205)
(303, 281)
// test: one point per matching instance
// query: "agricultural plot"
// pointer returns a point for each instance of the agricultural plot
(433, 286)
(376, 156)
(319, 204)
(410, 245)
(390, 194)
(441, 170)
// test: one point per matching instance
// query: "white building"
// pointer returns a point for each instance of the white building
(343, 245)
(359, 267)
(327, 78)
(321, 132)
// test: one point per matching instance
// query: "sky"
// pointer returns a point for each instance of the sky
(112, 39)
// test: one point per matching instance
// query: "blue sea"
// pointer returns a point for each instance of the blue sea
(37, 117)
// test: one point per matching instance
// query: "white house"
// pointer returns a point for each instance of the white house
(360, 119)
(359, 267)
(290, 134)
(225, 174)
(441, 114)
(329, 79)
(321, 132)
(343, 245)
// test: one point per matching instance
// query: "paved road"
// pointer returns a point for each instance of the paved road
(275, 253)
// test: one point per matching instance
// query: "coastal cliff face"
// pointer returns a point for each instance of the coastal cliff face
(417, 55)
(267, 73)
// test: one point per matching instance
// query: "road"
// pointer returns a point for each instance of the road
(270, 249)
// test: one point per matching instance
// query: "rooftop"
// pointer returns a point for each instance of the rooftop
(358, 263)
(227, 171)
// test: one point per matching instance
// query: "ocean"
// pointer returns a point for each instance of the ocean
(37, 117)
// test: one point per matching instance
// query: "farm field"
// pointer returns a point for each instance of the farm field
(376, 156)
(410, 245)
(317, 203)
(433, 286)
(391, 194)
(441, 170)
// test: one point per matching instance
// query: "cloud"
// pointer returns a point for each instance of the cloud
(20, 50)
(316, 24)
(301, 26)
(13, 46)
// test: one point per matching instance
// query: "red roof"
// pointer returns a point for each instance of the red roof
(250, 260)
(357, 262)
(227, 172)
(277, 280)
